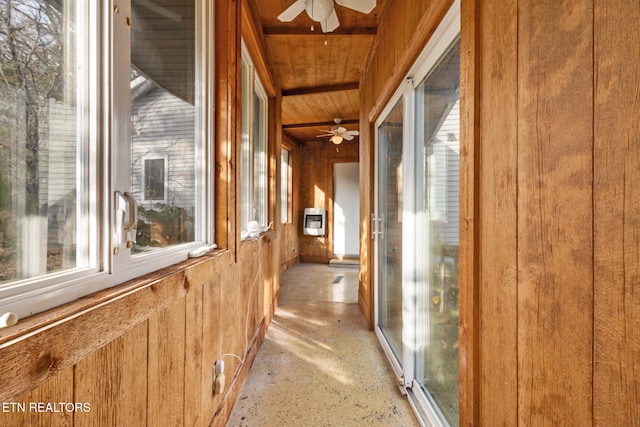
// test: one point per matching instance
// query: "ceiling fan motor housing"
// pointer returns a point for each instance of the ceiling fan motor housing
(319, 10)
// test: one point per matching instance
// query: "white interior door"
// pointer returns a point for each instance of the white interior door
(346, 209)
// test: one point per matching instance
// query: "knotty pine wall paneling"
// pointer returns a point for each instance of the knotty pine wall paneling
(469, 272)
(616, 393)
(158, 371)
(555, 213)
(58, 388)
(497, 151)
(274, 166)
(166, 366)
(212, 339)
(113, 380)
(367, 176)
(196, 371)
(227, 123)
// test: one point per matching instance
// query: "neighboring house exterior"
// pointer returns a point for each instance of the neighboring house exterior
(163, 148)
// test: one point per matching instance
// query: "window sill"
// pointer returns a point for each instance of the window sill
(42, 321)
(264, 237)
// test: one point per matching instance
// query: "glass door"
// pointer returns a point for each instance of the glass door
(437, 124)
(416, 224)
(388, 225)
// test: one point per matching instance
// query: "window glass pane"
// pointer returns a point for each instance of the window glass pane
(438, 104)
(246, 166)
(390, 209)
(285, 174)
(154, 180)
(164, 122)
(260, 158)
(43, 147)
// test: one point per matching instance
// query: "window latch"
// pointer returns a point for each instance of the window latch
(126, 210)
(130, 227)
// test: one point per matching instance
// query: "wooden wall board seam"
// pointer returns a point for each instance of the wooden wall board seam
(616, 352)
(470, 146)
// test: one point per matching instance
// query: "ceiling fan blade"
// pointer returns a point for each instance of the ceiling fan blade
(324, 136)
(341, 130)
(364, 6)
(352, 132)
(331, 22)
(347, 136)
(292, 11)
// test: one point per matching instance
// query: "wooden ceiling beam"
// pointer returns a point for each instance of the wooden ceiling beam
(318, 124)
(321, 89)
(291, 138)
(287, 31)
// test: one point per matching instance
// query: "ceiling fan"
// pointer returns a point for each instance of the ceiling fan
(337, 133)
(323, 11)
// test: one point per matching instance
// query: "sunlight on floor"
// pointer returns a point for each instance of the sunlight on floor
(319, 364)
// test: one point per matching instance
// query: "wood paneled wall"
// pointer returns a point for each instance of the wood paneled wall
(158, 369)
(550, 211)
(316, 191)
(143, 353)
(616, 213)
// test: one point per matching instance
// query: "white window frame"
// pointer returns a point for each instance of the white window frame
(254, 171)
(105, 131)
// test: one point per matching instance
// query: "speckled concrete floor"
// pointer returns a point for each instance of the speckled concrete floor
(319, 365)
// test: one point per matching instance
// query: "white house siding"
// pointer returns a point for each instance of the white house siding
(163, 126)
(444, 167)
(57, 166)
(61, 172)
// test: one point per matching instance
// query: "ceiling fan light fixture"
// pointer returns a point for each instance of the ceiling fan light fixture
(337, 139)
(319, 10)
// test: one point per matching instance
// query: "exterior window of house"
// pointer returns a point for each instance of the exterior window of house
(253, 150)
(102, 163)
(285, 185)
(154, 179)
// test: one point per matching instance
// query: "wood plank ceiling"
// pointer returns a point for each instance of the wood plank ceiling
(318, 72)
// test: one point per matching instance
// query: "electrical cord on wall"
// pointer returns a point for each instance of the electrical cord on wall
(246, 320)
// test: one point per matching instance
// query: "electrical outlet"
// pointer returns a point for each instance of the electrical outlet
(219, 379)
(218, 387)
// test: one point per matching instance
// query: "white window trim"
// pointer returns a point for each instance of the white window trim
(248, 188)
